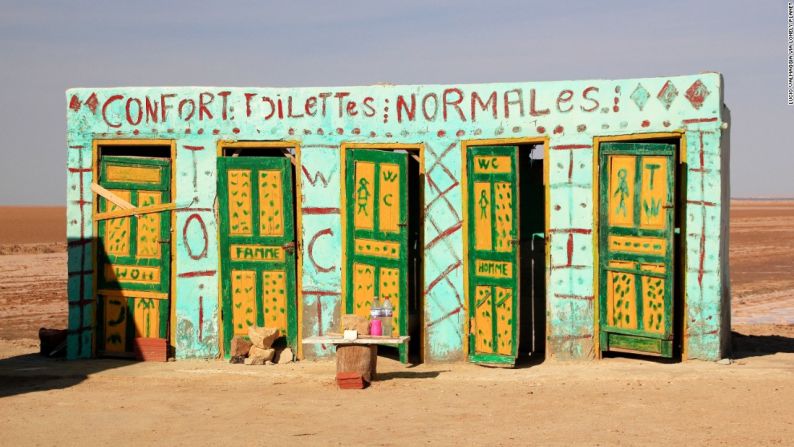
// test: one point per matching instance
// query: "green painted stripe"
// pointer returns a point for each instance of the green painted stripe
(642, 344)
(163, 308)
(492, 358)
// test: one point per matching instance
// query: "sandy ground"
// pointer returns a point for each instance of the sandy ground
(616, 401)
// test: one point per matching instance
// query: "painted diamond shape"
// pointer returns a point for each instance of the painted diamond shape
(697, 93)
(667, 94)
(640, 96)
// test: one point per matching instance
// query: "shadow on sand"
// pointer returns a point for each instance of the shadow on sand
(745, 346)
(381, 377)
(32, 372)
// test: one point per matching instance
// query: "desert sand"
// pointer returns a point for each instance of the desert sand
(615, 401)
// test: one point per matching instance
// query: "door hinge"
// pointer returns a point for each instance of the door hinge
(289, 247)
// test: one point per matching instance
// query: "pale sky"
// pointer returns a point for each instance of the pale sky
(47, 47)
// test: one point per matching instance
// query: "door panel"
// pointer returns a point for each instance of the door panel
(636, 247)
(376, 262)
(256, 210)
(134, 254)
(493, 253)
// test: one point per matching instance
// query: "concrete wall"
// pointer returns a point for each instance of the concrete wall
(570, 113)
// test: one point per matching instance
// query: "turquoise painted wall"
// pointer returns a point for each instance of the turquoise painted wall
(570, 113)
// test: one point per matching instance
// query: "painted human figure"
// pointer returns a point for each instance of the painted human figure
(622, 191)
(652, 209)
(483, 202)
(362, 196)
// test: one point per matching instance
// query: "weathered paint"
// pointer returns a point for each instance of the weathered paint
(377, 234)
(636, 197)
(493, 213)
(133, 269)
(573, 115)
(257, 240)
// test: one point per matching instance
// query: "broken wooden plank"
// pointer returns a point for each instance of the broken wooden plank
(135, 211)
(118, 201)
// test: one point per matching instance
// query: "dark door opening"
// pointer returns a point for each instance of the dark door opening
(383, 253)
(506, 253)
(532, 258)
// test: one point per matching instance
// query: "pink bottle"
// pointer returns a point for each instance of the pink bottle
(376, 327)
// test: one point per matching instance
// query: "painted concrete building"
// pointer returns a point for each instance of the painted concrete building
(568, 218)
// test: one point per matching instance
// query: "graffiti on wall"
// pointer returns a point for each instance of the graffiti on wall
(569, 113)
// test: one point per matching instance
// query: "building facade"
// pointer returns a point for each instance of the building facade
(568, 218)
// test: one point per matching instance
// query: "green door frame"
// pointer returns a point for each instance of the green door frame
(611, 338)
(291, 229)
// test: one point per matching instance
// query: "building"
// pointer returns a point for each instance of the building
(571, 218)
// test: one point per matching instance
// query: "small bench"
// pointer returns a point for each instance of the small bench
(359, 355)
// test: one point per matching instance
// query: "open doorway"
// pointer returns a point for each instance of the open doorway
(532, 257)
(505, 209)
(382, 199)
(133, 251)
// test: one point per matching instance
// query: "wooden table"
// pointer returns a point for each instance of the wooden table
(359, 355)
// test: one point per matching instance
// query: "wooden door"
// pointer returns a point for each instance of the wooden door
(493, 273)
(257, 236)
(636, 247)
(376, 261)
(133, 255)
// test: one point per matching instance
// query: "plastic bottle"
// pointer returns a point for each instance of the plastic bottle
(387, 311)
(375, 320)
(375, 310)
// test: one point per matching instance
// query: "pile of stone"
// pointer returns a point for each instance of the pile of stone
(257, 348)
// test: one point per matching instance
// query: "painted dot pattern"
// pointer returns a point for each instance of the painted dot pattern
(117, 239)
(274, 299)
(653, 304)
(243, 300)
(483, 325)
(390, 288)
(148, 245)
(623, 300)
(240, 218)
(271, 203)
(504, 320)
(504, 216)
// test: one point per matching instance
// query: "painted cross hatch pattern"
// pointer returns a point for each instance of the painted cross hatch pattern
(436, 207)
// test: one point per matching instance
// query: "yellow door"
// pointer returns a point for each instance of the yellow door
(133, 255)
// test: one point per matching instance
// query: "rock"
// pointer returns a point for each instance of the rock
(355, 323)
(285, 356)
(724, 361)
(240, 346)
(262, 337)
(258, 356)
(237, 359)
